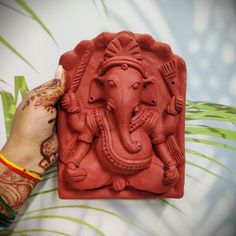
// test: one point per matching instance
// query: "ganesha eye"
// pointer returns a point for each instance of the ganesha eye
(135, 85)
(111, 83)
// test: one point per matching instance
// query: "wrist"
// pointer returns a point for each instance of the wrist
(23, 156)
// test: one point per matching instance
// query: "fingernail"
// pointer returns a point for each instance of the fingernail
(59, 72)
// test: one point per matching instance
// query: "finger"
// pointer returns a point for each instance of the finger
(47, 94)
(49, 151)
(56, 87)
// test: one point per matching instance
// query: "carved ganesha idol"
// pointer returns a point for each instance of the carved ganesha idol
(121, 120)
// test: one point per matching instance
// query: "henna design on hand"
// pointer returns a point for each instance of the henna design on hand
(45, 95)
(49, 151)
(14, 189)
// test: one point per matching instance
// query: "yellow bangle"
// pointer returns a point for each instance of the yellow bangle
(26, 173)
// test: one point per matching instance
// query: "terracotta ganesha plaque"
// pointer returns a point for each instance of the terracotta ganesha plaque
(121, 120)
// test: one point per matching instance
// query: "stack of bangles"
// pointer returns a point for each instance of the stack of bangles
(6, 220)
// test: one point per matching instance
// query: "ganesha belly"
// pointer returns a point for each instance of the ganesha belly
(120, 146)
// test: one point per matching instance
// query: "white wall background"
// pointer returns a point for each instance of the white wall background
(204, 33)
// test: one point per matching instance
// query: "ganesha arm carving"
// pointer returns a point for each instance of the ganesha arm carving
(161, 148)
(82, 136)
(169, 74)
(171, 173)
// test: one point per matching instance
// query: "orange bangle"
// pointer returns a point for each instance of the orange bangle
(21, 171)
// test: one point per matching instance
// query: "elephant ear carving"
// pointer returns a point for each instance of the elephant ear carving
(96, 90)
(149, 94)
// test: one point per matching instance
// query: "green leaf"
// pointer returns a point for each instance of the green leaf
(9, 102)
(36, 231)
(209, 187)
(105, 7)
(211, 116)
(51, 177)
(50, 172)
(166, 202)
(20, 86)
(10, 47)
(75, 220)
(13, 8)
(210, 142)
(1, 80)
(43, 192)
(209, 158)
(204, 106)
(123, 218)
(206, 170)
(36, 18)
(211, 131)
(9, 108)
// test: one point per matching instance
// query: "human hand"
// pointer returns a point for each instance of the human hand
(33, 142)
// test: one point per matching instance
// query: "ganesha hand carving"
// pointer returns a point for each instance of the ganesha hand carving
(120, 123)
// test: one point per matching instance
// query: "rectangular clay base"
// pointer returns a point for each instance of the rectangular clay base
(107, 192)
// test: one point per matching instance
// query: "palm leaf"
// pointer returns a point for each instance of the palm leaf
(75, 220)
(211, 131)
(51, 177)
(14, 9)
(50, 172)
(206, 170)
(167, 202)
(10, 47)
(43, 192)
(23, 232)
(87, 207)
(20, 86)
(208, 186)
(210, 111)
(210, 142)
(9, 108)
(9, 102)
(1, 80)
(105, 7)
(209, 106)
(36, 18)
(209, 158)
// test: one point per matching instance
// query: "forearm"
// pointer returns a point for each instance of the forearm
(14, 188)
(18, 176)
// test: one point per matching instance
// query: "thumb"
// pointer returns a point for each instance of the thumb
(61, 75)
(51, 91)
(55, 88)
(46, 95)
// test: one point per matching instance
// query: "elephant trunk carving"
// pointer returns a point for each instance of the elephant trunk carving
(123, 118)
